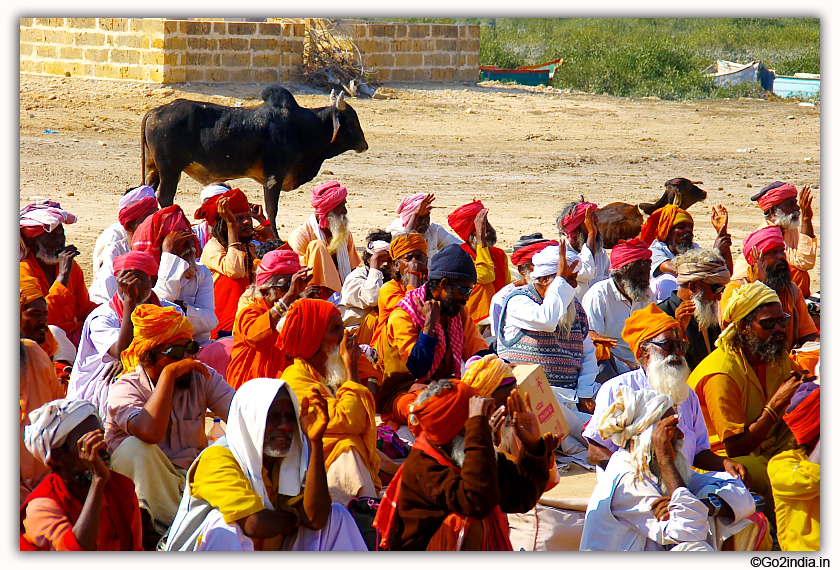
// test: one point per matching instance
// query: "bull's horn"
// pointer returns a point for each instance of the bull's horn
(339, 103)
(336, 126)
(332, 97)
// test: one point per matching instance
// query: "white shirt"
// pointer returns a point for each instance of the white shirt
(360, 294)
(114, 232)
(608, 310)
(436, 236)
(104, 283)
(661, 253)
(496, 305)
(196, 293)
(591, 268)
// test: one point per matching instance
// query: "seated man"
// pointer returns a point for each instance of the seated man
(453, 481)
(229, 254)
(104, 285)
(578, 227)
(324, 242)
(109, 330)
(38, 386)
(746, 383)
(649, 498)
(491, 263)
(608, 303)
(256, 330)
(795, 474)
(360, 292)
(430, 334)
(202, 230)
(129, 210)
(701, 276)
(82, 505)
(658, 343)
(778, 201)
(45, 256)
(258, 488)
(415, 213)
(670, 232)
(765, 253)
(544, 323)
(155, 424)
(326, 362)
(34, 319)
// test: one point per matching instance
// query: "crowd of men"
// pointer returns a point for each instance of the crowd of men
(370, 401)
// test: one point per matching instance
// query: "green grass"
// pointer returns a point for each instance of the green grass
(637, 57)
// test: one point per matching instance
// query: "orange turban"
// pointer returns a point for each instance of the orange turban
(408, 243)
(486, 374)
(305, 327)
(208, 210)
(645, 324)
(462, 220)
(154, 326)
(803, 413)
(661, 221)
(29, 290)
(442, 417)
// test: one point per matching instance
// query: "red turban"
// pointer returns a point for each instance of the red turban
(462, 220)
(526, 254)
(803, 419)
(404, 244)
(154, 229)
(139, 260)
(277, 262)
(628, 251)
(138, 209)
(645, 324)
(238, 205)
(442, 417)
(659, 223)
(763, 240)
(305, 327)
(774, 194)
(325, 197)
(575, 218)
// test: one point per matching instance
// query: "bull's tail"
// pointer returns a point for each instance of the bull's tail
(143, 149)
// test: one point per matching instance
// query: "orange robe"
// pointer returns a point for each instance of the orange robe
(313, 253)
(493, 273)
(390, 296)
(255, 353)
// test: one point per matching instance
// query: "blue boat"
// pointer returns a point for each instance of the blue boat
(801, 85)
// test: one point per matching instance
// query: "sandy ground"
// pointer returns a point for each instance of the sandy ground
(524, 152)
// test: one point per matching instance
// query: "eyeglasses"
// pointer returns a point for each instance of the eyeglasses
(283, 286)
(717, 289)
(671, 345)
(770, 324)
(464, 291)
(178, 351)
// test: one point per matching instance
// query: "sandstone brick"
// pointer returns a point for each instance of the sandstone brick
(299, 30)
(242, 76)
(473, 46)
(169, 27)
(423, 45)
(113, 24)
(241, 29)
(401, 31)
(422, 75)
(133, 72)
(199, 43)
(174, 75)
(265, 44)
(157, 43)
(81, 23)
(382, 74)
(29, 35)
(218, 75)
(474, 32)
(154, 26)
(70, 53)
(125, 56)
(288, 30)
(383, 30)
(233, 44)
(155, 75)
(472, 60)
(96, 55)
(46, 51)
(380, 60)
(90, 40)
(419, 30)
(445, 31)
(462, 32)
(402, 75)
(461, 60)
(198, 28)
(267, 76)
(51, 22)
(151, 58)
(266, 60)
(31, 66)
(26, 22)
(296, 59)
(270, 29)
(217, 60)
(26, 50)
(177, 44)
(108, 70)
(236, 59)
(193, 74)
(170, 59)
(443, 74)
(54, 67)
(220, 28)
(54, 37)
(408, 60)
(446, 45)
(132, 41)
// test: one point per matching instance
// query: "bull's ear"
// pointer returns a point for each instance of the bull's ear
(336, 125)
(339, 103)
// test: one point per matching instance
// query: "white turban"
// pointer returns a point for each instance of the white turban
(136, 195)
(545, 262)
(632, 417)
(377, 245)
(213, 190)
(50, 424)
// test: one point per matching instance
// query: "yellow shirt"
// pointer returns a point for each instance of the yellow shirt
(796, 489)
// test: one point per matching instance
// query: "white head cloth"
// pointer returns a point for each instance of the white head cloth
(246, 434)
(545, 262)
(377, 245)
(50, 424)
(136, 195)
(632, 417)
(213, 190)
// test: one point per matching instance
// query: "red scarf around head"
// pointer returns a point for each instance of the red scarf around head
(238, 204)
(154, 229)
(305, 327)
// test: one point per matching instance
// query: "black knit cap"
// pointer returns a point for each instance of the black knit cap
(454, 263)
(766, 189)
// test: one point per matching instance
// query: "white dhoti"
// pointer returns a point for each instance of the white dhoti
(349, 477)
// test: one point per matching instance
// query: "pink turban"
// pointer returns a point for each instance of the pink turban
(139, 260)
(409, 206)
(325, 197)
(575, 218)
(763, 239)
(774, 194)
(628, 251)
(43, 217)
(277, 262)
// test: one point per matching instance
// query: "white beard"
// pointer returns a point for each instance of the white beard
(669, 376)
(705, 313)
(339, 227)
(683, 463)
(336, 372)
(568, 320)
(788, 221)
(458, 454)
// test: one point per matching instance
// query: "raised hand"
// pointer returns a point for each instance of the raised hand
(350, 353)
(112, 370)
(720, 219)
(426, 205)
(525, 423)
(805, 202)
(129, 287)
(65, 263)
(684, 313)
(759, 265)
(564, 270)
(481, 227)
(174, 241)
(298, 285)
(660, 508)
(481, 406)
(781, 399)
(223, 208)
(185, 366)
(663, 435)
(431, 314)
(257, 212)
(91, 445)
(314, 416)
(590, 222)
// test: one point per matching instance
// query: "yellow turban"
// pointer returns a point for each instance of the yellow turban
(486, 374)
(408, 243)
(645, 324)
(659, 223)
(154, 326)
(744, 300)
(29, 290)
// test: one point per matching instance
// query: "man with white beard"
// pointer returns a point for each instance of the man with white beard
(658, 344)
(579, 226)
(325, 243)
(701, 275)
(649, 498)
(326, 362)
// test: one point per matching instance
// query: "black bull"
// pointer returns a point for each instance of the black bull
(278, 143)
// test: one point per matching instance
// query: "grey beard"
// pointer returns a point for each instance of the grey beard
(339, 228)
(638, 292)
(778, 276)
(771, 353)
(336, 372)
(681, 462)
(580, 241)
(567, 321)
(268, 452)
(669, 376)
(46, 258)
(458, 454)
(705, 313)
(788, 221)
(683, 247)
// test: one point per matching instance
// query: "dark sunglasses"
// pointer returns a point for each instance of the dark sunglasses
(464, 291)
(283, 286)
(178, 351)
(770, 324)
(717, 289)
(671, 345)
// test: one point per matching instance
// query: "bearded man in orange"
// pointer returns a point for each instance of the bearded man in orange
(491, 263)
(326, 362)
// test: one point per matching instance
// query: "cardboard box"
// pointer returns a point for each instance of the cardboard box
(531, 380)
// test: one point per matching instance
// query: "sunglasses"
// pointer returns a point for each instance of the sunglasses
(717, 289)
(671, 345)
(770, 324)
(178, 351)
(464, 291)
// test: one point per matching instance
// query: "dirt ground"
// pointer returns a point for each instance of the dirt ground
(524, 152)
